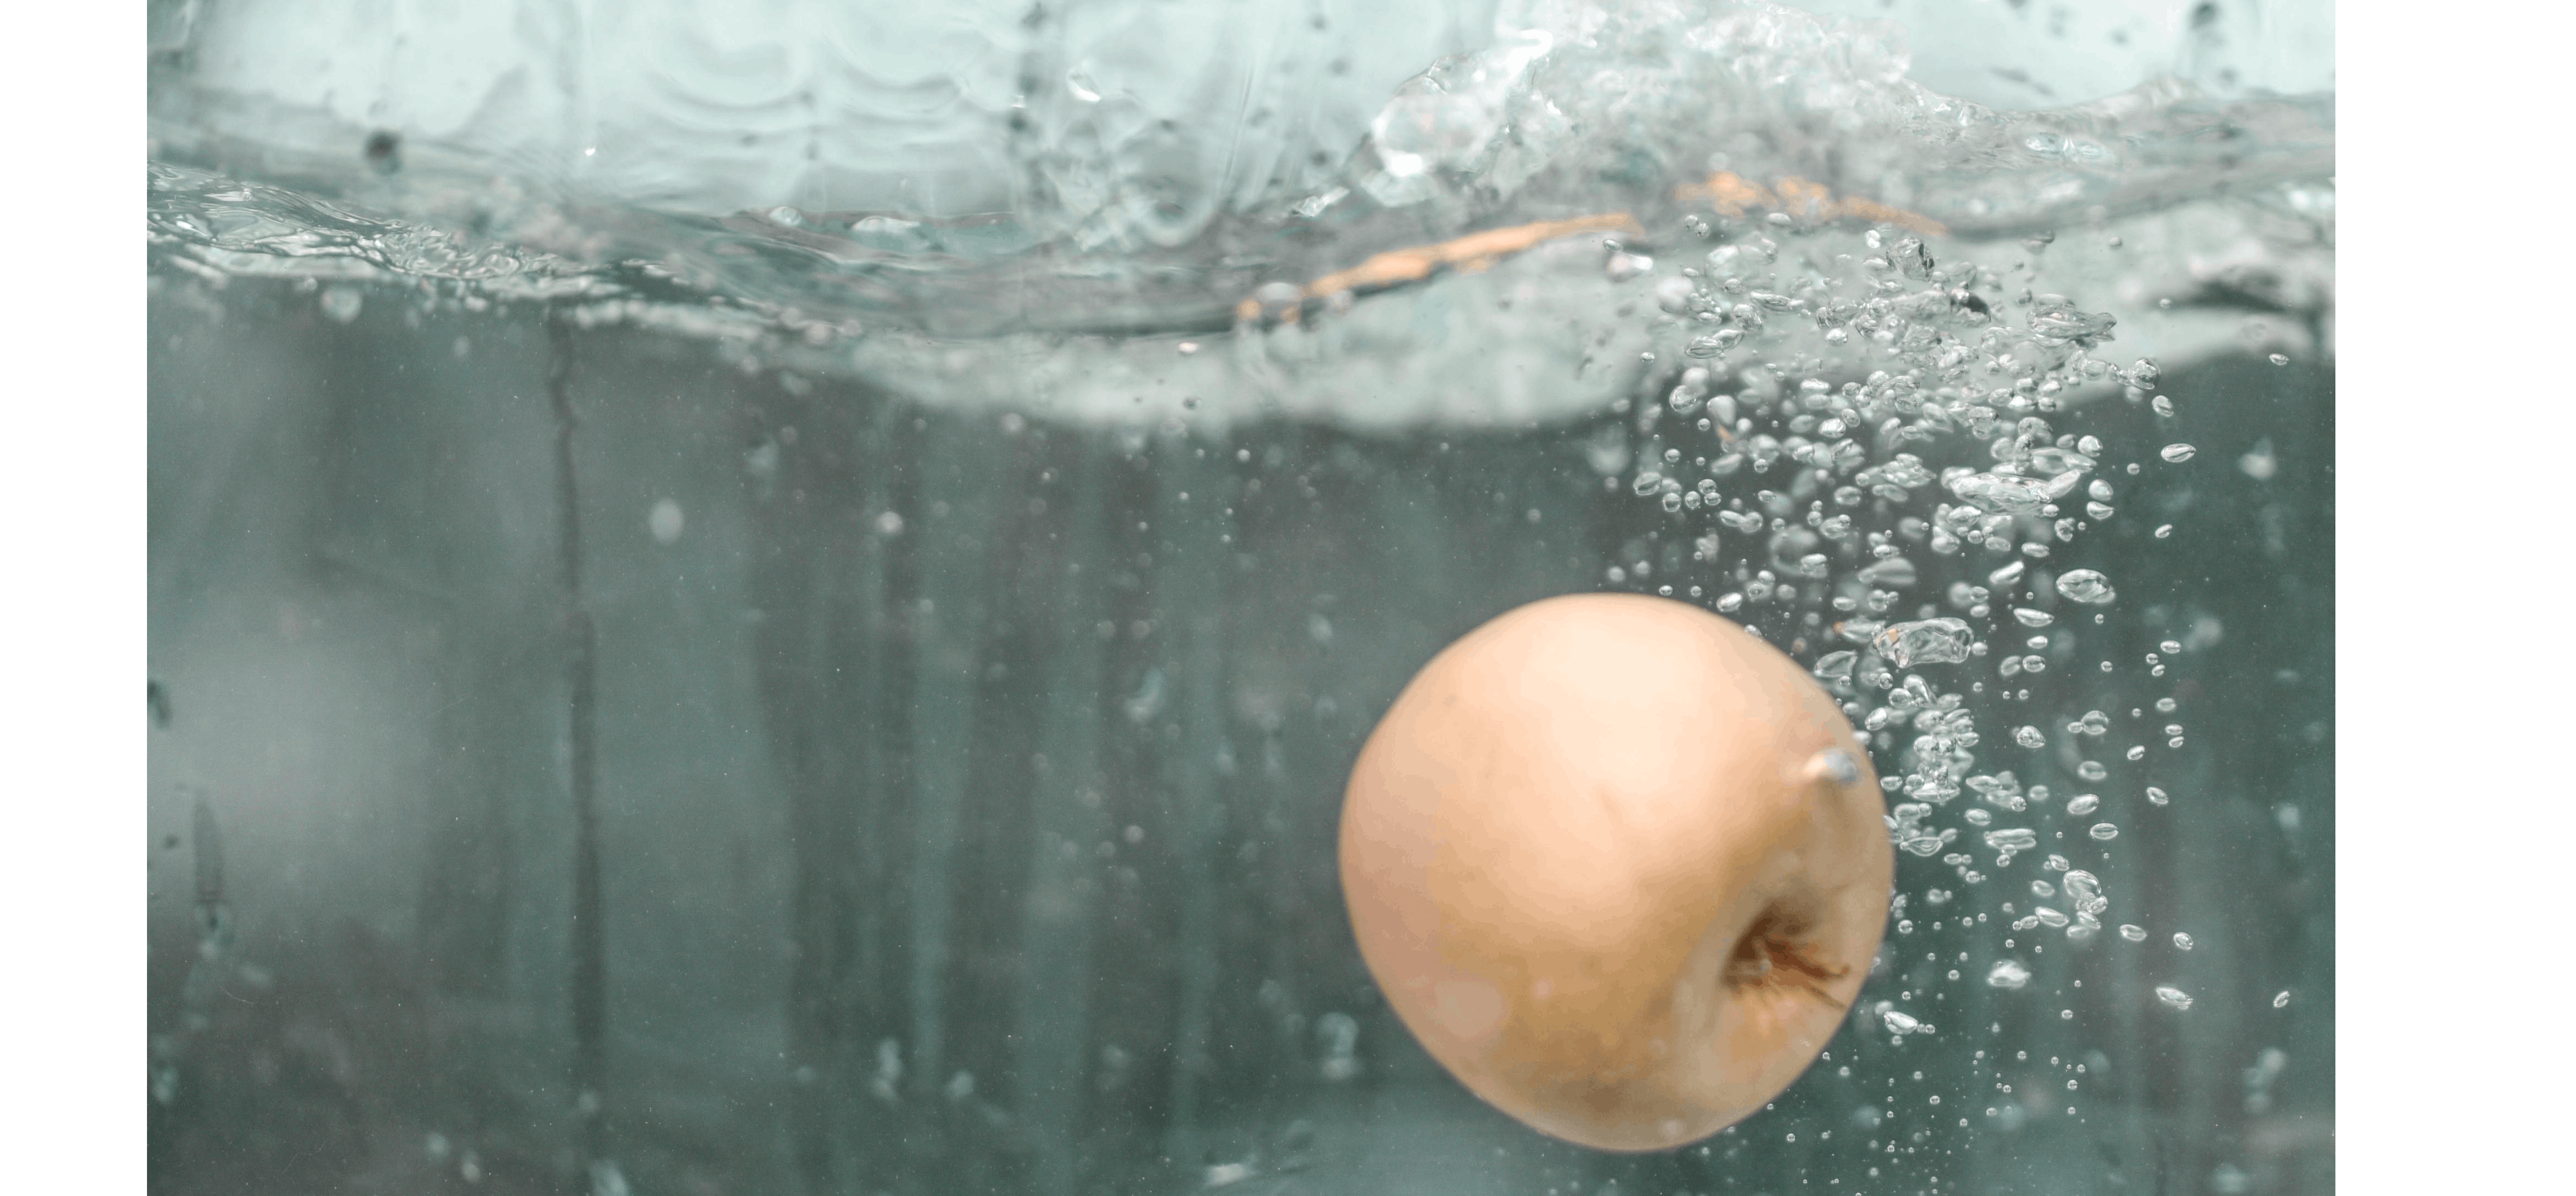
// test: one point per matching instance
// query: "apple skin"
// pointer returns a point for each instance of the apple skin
(1619, 865)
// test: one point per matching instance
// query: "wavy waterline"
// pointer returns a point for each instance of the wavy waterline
(1644, 127)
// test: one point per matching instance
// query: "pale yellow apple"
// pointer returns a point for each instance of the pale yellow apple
(1619, 865)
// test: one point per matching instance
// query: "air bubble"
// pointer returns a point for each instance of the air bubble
(2085, 890)
(665, 521)
(2177, 452)
(1926, 641)
(2002, 493)
(2182, 941)
(2104, 831)
(2133, 933)
(1836, 765)
(2010, 841)
(2173, 996)
(342, 304)
(2086, 585)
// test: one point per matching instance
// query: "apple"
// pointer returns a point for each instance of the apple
(1619, 865)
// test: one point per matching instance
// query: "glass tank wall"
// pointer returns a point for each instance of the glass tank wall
(781, 603)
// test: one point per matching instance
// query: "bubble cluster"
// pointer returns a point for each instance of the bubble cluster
(1885, 459)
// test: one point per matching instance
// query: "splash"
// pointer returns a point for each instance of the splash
(1476, 198)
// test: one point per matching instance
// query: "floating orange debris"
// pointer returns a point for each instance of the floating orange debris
(1724, 192)
(1468, 254)
(1730, 194)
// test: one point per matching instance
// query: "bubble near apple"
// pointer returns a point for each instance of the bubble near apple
(1619, 865)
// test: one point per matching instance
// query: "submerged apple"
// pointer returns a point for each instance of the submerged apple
(1619, 865)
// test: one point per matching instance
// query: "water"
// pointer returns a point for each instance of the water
(825, 662)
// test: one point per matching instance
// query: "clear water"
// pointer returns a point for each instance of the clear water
(782, 606)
